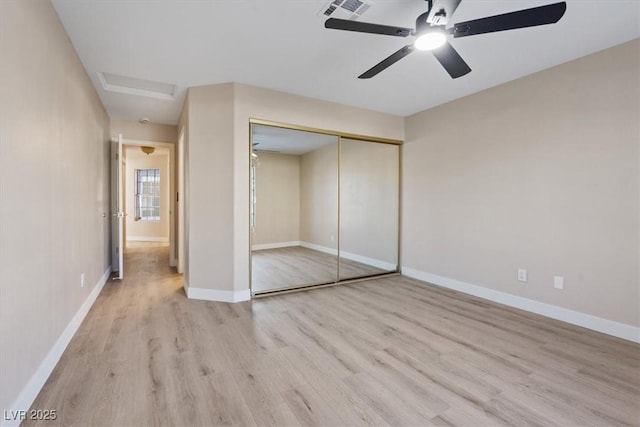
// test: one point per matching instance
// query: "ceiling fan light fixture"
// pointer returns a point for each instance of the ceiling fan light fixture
(430, 40)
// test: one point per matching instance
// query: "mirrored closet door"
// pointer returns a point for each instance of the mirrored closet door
(369, 208)
(294, 208)
(314, 195)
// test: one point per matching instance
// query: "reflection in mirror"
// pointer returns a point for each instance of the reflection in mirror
(294, 208)
(369, 198)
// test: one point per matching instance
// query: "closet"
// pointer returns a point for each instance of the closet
(324, 207)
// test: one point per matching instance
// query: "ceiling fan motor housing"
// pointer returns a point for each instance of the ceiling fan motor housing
(421, 23)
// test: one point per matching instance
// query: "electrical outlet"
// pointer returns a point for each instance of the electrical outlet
(82, 280)
(558, 282)
(522, 275)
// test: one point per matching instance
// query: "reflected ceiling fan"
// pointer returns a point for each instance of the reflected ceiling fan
(431, 33)
(261, 150)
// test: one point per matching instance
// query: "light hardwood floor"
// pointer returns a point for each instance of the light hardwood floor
(383, 352)
(296, 265)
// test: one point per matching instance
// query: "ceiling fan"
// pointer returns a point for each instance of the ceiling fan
(431, 33)
(261, 150)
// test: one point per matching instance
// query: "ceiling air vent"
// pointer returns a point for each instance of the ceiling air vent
(134, 86)
(345, 9)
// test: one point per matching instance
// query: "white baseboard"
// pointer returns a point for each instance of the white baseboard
(217, 295)
(274, 245)
(610, 327)
(383, 265)
(36, 382)
(387, 266)
(326, 250)
(147, 239)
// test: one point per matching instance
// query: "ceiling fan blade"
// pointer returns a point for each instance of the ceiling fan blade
(395, 57)
(542, 15)
(451, 61)
(365, 27)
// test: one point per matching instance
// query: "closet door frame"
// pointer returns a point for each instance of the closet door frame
(339, 135)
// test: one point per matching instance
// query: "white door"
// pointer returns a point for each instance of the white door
(117, 210)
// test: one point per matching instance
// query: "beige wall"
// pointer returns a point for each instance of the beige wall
(278, 199)
(540, 173)
(183, 129)
(147, 230)
(210, 174)
(319, 197)
(144, 132)
(369, 200)
(54, 189)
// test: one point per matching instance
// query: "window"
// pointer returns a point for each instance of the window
(147, 194)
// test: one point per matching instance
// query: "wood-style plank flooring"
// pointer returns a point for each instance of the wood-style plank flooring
(387, 352)
(283, 268)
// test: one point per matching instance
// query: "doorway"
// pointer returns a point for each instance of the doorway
(146, 192)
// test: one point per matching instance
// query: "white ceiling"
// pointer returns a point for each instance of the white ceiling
(282, 45)
(289, 141)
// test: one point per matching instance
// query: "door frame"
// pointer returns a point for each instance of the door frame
(180, 200)
(340, 135)
(173, 206)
